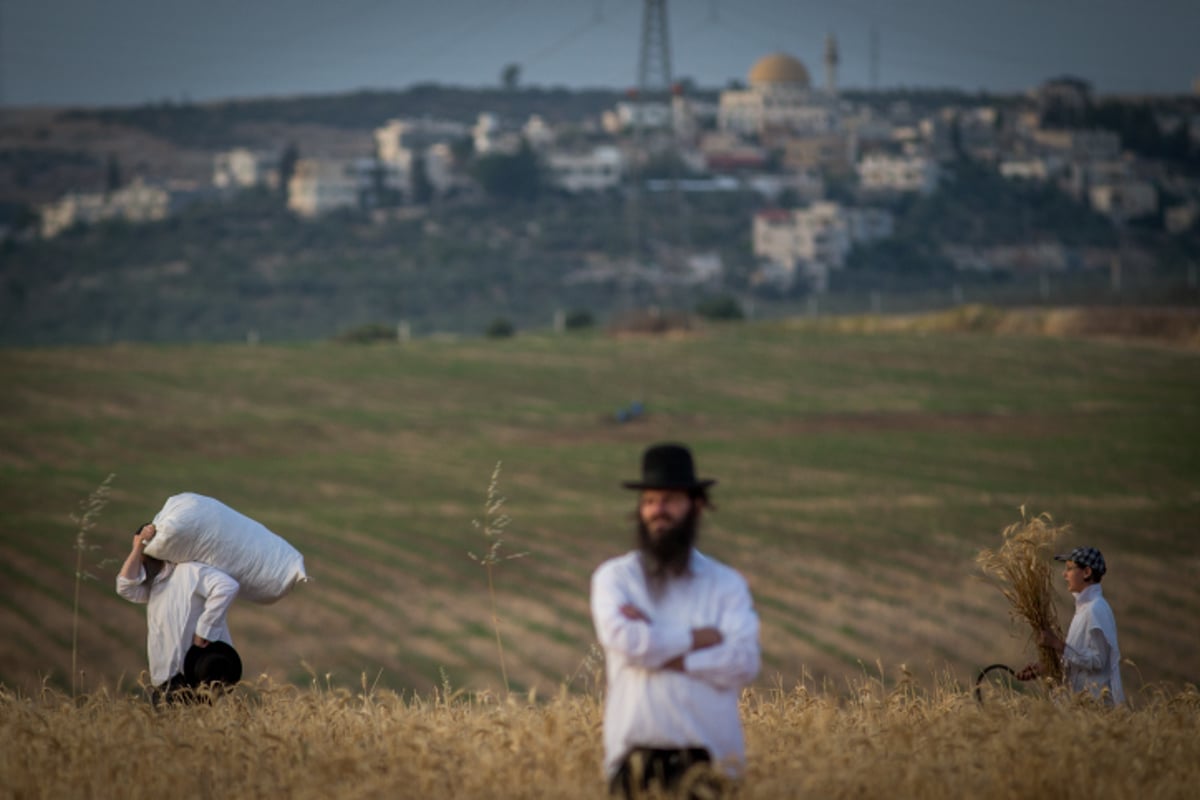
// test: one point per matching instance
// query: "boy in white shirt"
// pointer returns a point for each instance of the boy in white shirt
(1090, 655)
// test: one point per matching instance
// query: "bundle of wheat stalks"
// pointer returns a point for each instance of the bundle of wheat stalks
(1023, 565)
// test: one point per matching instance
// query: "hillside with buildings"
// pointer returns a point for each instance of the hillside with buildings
(445, 208)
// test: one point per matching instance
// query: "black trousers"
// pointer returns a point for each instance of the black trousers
(179, 690)
(682, 772)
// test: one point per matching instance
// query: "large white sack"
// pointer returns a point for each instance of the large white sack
(192, 527)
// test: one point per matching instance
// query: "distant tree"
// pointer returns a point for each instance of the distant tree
(1138, 128)
(505, 177)
(287, 167)
(578, 319)
(366, 334)
(899, 256)
(722, 307)
(462, 150)
(500, 328)
(422, 188)
(686, 86)
(664, 165)
(788, 198)
(510, 76)
(956, 139)
(112, 173)
(19, 216)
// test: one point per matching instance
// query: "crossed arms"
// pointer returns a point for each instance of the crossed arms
(724, 653)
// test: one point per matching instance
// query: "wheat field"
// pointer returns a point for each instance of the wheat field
(872, 738)
(860, 475)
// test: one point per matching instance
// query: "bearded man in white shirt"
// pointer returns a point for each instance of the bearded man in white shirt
(680, 637)
(188, 640)
(1090, 656)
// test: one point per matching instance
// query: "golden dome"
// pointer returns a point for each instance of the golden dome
(779, 68)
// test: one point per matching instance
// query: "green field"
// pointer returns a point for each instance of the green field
(859, 476)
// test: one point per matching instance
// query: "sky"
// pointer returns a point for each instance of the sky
(129, 52)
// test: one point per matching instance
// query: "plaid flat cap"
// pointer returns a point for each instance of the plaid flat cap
(1085, 557)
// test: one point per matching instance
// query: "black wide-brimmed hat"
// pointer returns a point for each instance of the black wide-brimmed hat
(668, 466)
(217, 662)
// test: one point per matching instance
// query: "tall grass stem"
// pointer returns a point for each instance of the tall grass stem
(495, 520)
(89, 511)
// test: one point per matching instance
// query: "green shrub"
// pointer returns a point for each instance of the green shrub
(721, 307)
(365, 334)
(579, 320)
(500, 328)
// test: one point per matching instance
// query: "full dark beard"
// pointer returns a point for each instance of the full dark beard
(668, 556)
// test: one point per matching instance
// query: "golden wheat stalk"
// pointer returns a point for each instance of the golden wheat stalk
(1023, 566)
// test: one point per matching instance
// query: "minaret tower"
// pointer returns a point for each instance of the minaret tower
(831, 65)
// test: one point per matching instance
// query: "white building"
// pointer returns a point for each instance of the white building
(320, 186)
(593, 171)
(440, 169)
(810, 242)
(1031, 169)
(1182, 217)
(834, 152)
(396, 141)
(401, 142)
(1124, 200)
(490, 137)
(135, 202)
(1078, 177)
(877, 172)
(725, 151)
(242, 168)
(779, 99)
(538, 133)
(1078, 144)
(646, 114)
(807, 185)
(691, 116)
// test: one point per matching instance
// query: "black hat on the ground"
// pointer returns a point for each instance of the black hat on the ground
(218, 662)
(668, 466)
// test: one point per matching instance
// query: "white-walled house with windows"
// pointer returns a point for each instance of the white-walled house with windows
(1124, 200)
(810, 242)
(884, 173)
(399, 139)
(242, 168)
(320, 186)
(490, 137)
(1032, 168)
(647, 114)
(595, 170)
(137, 201)
(401, 142)
(1077, 144)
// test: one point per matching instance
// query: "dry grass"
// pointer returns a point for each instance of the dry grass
(1161, 325)
(867, 740)
(1023, 566)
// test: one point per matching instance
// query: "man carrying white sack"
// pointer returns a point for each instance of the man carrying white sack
(188, 565)
(188, 639)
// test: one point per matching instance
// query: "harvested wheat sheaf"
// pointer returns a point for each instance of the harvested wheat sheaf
(871, 740)
(1023, 565)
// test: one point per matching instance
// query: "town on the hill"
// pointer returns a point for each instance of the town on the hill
(831, 174)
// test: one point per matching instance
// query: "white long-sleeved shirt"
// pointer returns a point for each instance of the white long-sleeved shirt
(184, 599)
(1091, 658)
(647, 706)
